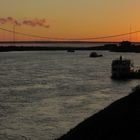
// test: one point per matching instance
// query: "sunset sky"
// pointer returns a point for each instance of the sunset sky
(70, 18)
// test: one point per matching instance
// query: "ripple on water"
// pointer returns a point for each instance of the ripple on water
(44, 94)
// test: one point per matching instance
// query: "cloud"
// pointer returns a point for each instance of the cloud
(9, 20)
(29, 22)
(36, 22)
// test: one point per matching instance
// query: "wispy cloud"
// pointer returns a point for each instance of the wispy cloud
(29, 22)
(9, 20)
(36, 22)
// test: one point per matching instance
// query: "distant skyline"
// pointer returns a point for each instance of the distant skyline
(70, 19)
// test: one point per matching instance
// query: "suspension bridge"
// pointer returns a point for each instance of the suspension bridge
(66, 39)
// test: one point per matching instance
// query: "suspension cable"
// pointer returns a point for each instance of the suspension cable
(74, 39)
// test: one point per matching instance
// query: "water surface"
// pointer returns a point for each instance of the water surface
(43, 94)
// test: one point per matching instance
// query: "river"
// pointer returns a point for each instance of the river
(43, 94)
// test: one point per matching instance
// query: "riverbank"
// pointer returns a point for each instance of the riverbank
(118, 121)
(43, 48)
(112, 48)
(124, 46)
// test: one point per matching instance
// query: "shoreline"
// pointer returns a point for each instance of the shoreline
(120, 120)
(106, 47)
(47, 48)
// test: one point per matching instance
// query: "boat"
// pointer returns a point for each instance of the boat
(70, 50)
(94, 54)
(124, 69)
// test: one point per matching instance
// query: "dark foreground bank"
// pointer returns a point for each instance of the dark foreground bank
(118, 121)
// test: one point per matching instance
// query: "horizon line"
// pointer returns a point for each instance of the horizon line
(56, 41)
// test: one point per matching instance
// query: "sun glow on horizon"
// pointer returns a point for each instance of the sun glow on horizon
(70, 19)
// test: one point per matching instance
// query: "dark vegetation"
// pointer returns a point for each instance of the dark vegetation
(36, 48)
(124, 46)
(118, 121)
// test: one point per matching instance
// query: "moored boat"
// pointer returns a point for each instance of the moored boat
(70, 50)
(94, 54)
(124, 69)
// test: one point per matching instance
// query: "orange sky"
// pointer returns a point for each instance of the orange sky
(72, 18)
